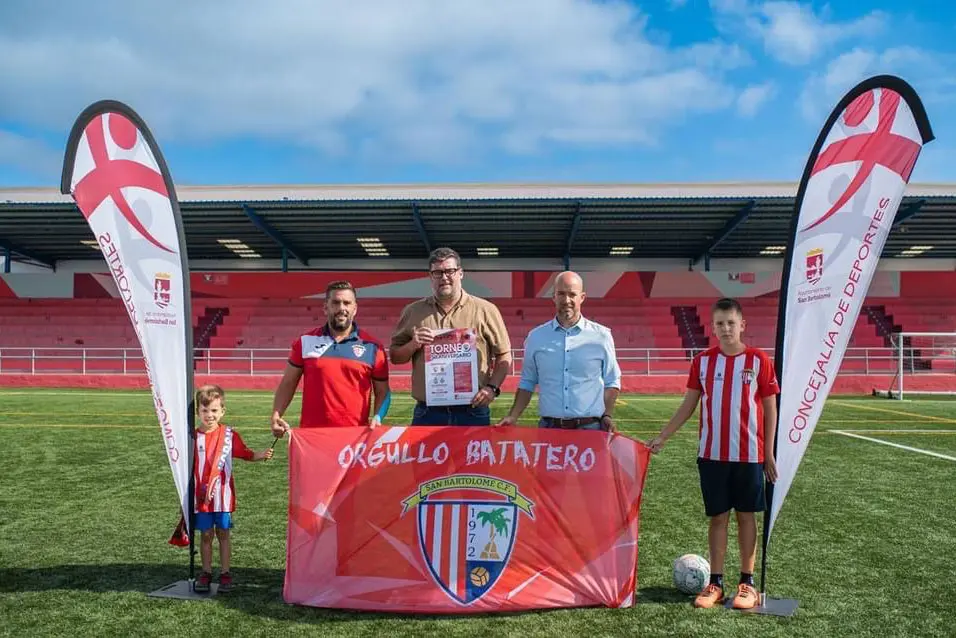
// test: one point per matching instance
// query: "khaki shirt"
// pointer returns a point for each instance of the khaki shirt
(470, 312)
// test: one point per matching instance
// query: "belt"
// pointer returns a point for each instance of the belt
(450, 408)
(570, 424)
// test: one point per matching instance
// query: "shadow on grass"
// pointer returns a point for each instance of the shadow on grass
(662, 595)
(129, 577)
(256, 591)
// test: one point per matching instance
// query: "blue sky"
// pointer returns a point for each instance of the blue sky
(431, 91)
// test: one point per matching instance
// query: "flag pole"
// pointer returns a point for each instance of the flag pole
(191, 492)
(768, 492)
(781, 336)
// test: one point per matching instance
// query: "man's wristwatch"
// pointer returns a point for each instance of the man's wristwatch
(606, 416)
(494, 388)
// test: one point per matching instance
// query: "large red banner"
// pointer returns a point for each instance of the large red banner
(462, 520)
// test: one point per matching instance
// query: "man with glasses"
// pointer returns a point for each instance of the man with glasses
(458, 346)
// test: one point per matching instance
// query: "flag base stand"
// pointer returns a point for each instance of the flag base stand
(784, 607)
(183, 590)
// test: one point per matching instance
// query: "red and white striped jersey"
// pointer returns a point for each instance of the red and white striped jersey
(212, 471)
(731, 410)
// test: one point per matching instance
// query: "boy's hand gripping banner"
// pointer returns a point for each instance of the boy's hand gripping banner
(462, 520)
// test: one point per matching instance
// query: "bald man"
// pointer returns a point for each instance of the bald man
(571, 360)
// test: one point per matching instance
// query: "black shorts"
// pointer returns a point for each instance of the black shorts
(727, 485)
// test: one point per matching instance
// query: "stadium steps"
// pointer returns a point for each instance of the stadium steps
(206, 327)
(903, 317)
(885, 326)
(689, 327)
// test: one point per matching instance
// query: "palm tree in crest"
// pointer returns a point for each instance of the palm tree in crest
(499, 525)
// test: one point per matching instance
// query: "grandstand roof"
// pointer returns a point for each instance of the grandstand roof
(725, 220)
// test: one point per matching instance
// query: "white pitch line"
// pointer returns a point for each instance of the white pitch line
(135, 392)
(896, 445)
(145, 393)
(879, 431)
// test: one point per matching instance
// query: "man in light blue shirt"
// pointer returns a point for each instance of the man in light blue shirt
(572, 362)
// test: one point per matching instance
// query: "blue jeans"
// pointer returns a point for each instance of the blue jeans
(450, 415)
(596, 425)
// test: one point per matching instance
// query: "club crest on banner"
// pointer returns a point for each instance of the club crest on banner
(814, 266)
(467, 542)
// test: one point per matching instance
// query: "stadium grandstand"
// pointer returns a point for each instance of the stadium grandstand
(654, 257)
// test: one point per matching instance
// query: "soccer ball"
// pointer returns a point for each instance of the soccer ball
(479, 576)
(691, 573)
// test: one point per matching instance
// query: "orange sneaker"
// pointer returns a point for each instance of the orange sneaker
(711, 596)
(746, 597)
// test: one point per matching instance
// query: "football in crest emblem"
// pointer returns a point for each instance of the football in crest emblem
(467, 528)
(814, 266)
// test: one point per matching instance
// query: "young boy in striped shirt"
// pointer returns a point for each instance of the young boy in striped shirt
(737, 388)
(216, 445)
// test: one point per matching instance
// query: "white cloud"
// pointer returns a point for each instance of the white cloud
(753, 97)
(929, 73)
(424, 79)
(792, 32)
(713, 55)
(30, 155)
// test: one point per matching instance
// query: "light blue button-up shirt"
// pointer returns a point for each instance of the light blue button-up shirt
(571, 368)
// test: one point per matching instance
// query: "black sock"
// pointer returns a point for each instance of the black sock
(717, 579)
(746, 579)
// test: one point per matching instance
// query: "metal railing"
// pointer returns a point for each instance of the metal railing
(271, 361)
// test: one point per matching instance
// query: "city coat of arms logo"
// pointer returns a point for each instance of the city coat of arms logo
(814, 266)
(162, 289)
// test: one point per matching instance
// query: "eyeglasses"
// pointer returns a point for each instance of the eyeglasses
(439, 274)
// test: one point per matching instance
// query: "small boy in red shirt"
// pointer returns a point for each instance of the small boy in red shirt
(215, 500)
